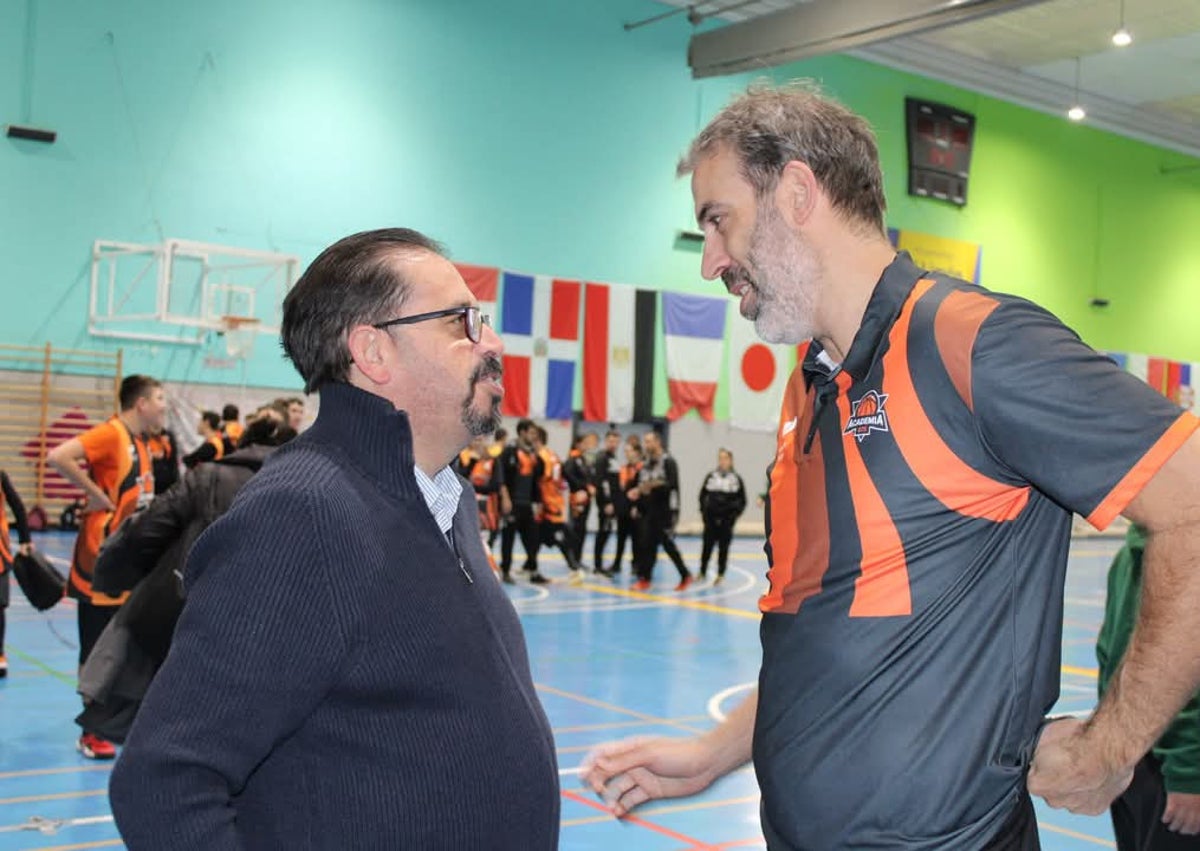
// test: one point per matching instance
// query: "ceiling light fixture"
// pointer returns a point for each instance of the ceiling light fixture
(1122, 37)
(1077, 112)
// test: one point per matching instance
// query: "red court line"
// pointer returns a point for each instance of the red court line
(693, 844)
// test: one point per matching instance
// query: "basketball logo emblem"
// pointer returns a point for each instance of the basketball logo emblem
(868, 415)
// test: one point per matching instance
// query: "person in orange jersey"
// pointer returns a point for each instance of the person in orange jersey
(119, 480)
(212, 447)
(555, 495)
(478, 466)
(10, 500)
(935, 442)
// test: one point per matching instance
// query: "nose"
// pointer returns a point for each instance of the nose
(490, 341)
(715, 259)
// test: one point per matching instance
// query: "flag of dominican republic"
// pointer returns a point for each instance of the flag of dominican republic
(694, 328)
(758, 374)
(539, 323)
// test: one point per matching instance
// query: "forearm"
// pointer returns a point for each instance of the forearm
(730, 744)
(20, 518)
(1161, 667)
(72, 472)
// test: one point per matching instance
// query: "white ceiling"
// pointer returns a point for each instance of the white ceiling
(1149, 90)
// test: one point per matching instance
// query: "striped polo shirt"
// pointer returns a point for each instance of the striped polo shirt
(920, 515)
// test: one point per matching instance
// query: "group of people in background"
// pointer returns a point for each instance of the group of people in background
(525, 490)
(122, 465)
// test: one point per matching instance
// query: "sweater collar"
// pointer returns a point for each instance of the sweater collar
(370, 432)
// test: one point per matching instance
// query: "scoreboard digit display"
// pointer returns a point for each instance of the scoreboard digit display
(939, 150)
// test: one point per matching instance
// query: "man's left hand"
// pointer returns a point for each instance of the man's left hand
(1182, 814)
(1069, 771)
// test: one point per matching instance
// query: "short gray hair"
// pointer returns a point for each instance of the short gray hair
(771, 125)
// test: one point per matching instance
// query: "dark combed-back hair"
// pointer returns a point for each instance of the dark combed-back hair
(769, 126)
(266, 431)
(134, 387)
(230, 413)
(352, 282)
(211, 418)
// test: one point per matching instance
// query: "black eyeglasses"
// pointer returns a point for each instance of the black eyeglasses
(473, 320)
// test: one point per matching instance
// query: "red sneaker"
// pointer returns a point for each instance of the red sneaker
(642, 585)
(94, 747)
(684, 583)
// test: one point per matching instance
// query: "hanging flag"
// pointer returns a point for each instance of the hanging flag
(694, 327)
(1156, 373)
(539, 322)
(609, 353)
(1137, 365)
(1174, 379)
(758, 374)
(1119, 358)
(484, 283)
(1189, 376)
(645, 337)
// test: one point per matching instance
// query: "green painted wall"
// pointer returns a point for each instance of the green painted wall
(535, 135)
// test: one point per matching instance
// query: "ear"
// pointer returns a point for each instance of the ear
(370, 349)
(797, 193)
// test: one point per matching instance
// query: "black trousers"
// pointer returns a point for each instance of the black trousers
(655, 531)
(1020, 832)
(561, 535)
(92, 620)
(605, 523)
(1137, 814)
(719, 531)
(578, 525)
(521, 522)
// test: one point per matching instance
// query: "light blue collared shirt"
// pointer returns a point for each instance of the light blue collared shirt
(442, 494)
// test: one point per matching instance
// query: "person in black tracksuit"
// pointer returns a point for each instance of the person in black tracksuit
(658, 512)
(606, 475)
(722, 501)
(623, 513)
(520, 501)
(577, 470)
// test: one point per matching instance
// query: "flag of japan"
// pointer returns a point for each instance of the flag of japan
(539, 323)
(758, 374)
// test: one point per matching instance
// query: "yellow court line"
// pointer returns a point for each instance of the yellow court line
(584, 728)
(60, 796)
(37, 772)
(1095, 840)
(613, 707)
(104, 843)
(672, 601)
(742, 613)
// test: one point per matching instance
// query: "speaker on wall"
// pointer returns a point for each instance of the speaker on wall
(939, 150)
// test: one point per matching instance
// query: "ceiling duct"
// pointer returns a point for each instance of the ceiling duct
(827, 26)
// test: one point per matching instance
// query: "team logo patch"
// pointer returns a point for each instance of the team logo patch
(867, 416)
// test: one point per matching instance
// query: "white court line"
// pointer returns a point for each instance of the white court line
(714, 703)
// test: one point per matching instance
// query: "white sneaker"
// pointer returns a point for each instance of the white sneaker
(575, 578)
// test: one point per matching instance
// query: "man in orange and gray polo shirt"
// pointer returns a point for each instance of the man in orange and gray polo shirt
(118, 480)
(933, 445)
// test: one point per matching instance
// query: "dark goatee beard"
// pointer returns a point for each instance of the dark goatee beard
(485, 421)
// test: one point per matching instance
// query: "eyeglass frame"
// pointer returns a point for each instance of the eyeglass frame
(464, 311)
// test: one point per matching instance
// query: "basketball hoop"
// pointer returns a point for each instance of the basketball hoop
(239, 333)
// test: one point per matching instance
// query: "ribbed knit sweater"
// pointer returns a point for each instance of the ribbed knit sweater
(336, 680)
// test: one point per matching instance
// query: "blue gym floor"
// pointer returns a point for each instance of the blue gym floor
(608, 663)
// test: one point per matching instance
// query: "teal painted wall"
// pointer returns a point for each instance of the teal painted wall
(534, 135)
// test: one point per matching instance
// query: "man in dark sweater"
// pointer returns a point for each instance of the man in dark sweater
(347, 672)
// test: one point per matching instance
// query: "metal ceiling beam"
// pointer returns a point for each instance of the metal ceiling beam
(1044, 95)
(827, 26)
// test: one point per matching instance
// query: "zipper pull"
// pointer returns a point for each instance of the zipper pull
(463, 568)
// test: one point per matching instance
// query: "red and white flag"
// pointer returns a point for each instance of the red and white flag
(758, 375)
(609, 353)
